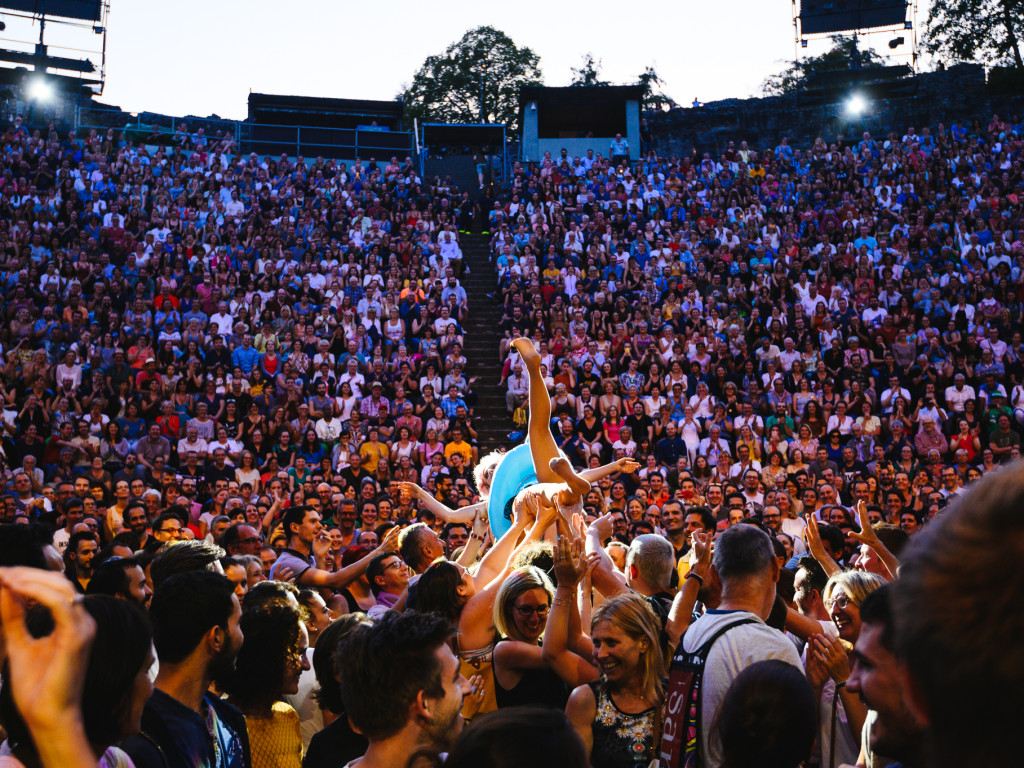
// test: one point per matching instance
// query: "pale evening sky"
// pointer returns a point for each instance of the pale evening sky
(205, 56)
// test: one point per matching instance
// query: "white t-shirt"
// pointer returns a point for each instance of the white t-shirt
(60, 539)
(733, 652)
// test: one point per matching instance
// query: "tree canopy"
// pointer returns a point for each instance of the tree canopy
(986, 31)
(841, 55)
(484, 63)
(588, 74)
(653, 98)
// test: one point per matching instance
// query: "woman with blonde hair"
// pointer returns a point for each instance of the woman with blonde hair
(617, 715)
(792, 519)
(523, 672)
(841, 712)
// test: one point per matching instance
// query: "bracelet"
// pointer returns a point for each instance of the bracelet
(561, 601)
(697, 576)
(841, 684)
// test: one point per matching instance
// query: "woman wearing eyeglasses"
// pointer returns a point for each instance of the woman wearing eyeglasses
(522, 676)
(841, 713)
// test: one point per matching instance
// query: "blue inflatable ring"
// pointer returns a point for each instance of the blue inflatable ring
(514, 473)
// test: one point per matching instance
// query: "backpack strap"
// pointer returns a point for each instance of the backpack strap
(705, 649)
(691, 666)
(703, 652)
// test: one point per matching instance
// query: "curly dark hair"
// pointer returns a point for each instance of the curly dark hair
(272, 631)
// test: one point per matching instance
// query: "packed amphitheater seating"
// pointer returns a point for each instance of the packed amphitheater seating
(280, 311)
(769, 321)
(786, 390)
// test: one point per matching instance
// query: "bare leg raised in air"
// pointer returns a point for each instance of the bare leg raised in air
(558, 482)
(542, 442)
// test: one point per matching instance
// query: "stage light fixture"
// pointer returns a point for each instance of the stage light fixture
(856, 105)
(896, 42)
(39, 89)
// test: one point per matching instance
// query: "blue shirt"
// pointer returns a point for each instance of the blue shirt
(180, 737)
(246, 359)
(450, 406)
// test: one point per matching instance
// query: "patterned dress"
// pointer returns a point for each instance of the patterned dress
(621, 740)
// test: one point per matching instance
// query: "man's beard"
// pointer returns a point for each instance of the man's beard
(901, 738)
(223, 666)
(444, 729)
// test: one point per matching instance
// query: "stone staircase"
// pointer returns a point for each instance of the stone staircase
(461, 169)
(483, 335)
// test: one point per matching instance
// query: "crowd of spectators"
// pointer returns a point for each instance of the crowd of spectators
(239, 429)
(783, 322)
(211, 334)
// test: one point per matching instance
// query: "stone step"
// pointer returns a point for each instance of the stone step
(483, 336)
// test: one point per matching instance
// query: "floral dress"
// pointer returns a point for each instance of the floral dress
(621, 740)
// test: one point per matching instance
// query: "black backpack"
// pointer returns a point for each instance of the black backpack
(681, 728)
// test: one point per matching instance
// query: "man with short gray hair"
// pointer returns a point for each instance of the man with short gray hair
(649, 564)
(745, 567)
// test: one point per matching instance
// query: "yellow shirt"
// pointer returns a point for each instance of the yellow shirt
(371, 454)
(275, 741)
(463, 448)
(683, 568)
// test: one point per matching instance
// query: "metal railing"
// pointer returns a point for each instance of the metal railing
(261, 138)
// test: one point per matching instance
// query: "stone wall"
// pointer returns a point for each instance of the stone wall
(956, 94)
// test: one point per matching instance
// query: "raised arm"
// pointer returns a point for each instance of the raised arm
(435, 507)
(268, 519)
(477, 537)
(476, 622)
(817, 549)
(607, 579)
(868, 536)
(496, 562)
(317, 577)
(681, 612)
(563, 629)
(624, 464)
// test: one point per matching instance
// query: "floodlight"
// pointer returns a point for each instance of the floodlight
(896, 42)
(856, 104)
(40, 90)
